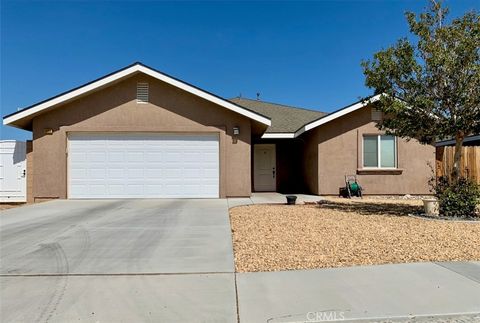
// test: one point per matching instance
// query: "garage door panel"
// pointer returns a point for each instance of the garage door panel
(97, 173)
(173, 156)
(152, 189)
(209, 186)
(135, 156)
(78, 173)
(79, 157)
(143, 165)
(118, 189)
(172, 173)
(116, 156)
(97, 189)
(96, 156)
(78, 188)
(135, 189)
(209, 157)
(133, 173)
(193, 173)
(115, 173)
(209, 172)
(154, 157)
(155, 175)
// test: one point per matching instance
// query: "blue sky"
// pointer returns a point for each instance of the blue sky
(304, 54)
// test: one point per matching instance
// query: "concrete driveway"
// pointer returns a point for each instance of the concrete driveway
(117, 260)
(117, 237)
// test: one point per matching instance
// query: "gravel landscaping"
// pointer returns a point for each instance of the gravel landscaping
(345, 232)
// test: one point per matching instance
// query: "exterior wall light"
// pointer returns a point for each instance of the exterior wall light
(236, 131)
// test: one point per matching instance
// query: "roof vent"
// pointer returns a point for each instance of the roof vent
(142, 92)
(376, 114)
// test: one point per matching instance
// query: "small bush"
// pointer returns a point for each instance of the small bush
(457, 198)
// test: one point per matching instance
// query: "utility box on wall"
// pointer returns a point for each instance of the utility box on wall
(13, 171)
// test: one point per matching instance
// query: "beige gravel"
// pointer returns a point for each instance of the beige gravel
(345, 233)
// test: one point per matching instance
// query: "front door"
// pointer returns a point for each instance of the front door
(264, 171)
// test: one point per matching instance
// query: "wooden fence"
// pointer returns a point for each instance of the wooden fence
(469, 164)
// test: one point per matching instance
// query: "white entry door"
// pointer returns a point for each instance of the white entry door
(264, 171)
(13, 171)
(143, 165)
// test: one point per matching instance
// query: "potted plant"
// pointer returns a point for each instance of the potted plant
(291, 199)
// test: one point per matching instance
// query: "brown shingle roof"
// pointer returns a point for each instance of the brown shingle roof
(285, 119)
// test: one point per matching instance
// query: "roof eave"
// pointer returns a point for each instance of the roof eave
(128, 71)
(337, 114)
(278, 135)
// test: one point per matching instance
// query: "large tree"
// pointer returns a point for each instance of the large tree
(431, 82)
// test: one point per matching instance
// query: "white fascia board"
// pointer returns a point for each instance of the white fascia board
(206, 96)
(126, 72)
(300, 131)
(337, 114)
(278, 135)
(70, 95)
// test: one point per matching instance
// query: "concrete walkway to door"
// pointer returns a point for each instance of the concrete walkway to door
(270, 198)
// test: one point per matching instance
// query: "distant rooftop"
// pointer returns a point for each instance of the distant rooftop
(285, 119)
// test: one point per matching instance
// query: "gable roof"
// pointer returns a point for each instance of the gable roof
(15, 119)
(337, 114)
(291, 122)
(285, 119)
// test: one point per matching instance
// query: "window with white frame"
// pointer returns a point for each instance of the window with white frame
(379, 151)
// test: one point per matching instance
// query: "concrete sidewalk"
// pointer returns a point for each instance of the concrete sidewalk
(364, 293)
(418, 292)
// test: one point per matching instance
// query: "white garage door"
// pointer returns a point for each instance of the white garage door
(143, 165)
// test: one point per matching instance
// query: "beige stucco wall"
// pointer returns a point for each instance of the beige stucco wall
(114, 109)
(337, 146)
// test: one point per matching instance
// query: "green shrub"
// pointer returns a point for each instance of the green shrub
(457, 198)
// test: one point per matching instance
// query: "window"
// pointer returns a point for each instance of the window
(379, 151)
(142, 92)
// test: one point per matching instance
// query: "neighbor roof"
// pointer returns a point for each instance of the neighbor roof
(22, 118)
(470, 140)
(285, 119)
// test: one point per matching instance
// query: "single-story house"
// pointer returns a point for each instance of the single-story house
(140, 133)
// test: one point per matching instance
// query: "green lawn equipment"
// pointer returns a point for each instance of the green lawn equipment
(352, 186)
